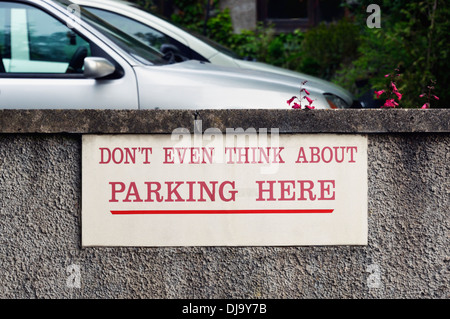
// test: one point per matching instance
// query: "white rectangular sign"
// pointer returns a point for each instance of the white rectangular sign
(224, 190)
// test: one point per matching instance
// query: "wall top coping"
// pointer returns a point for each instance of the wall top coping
(89, 121)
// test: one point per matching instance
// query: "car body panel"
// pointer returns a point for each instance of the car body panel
(319, 84)
(27, 93)
(245, 89)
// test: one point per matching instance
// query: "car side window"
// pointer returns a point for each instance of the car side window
(32, 41)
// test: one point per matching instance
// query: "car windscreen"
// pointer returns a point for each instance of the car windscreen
(215, 45)
(219, 47)
(129, 44)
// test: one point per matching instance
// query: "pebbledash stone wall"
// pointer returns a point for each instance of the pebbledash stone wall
(407, 255)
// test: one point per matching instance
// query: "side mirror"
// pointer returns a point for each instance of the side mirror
(95, 67)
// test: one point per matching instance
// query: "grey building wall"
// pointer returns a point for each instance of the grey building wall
(407, 255)
(243, 13)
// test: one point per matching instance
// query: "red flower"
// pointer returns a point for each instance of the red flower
(394, 87)
(308, 99)
(290, 100)
(378, 93)
(298, 105)
(390, 103)
(306, 91)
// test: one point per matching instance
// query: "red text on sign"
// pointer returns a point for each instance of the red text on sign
(336, 154)
(291, 190)
(125, 155)
(173, 191)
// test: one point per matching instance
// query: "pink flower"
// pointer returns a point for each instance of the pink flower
(378, 93)
(425, 106)
(387, 75)
(390, 103)
(422, 95)
(308, 99)
(290, 100)
(399, 95)
(436, 97)
(306, 91)
(394, 87)
(298, 104)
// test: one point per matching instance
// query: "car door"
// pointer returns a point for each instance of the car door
(42, 60)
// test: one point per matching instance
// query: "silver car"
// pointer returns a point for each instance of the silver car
(54, 56)
(168, 38)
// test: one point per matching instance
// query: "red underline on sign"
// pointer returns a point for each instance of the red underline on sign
(230, 212)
